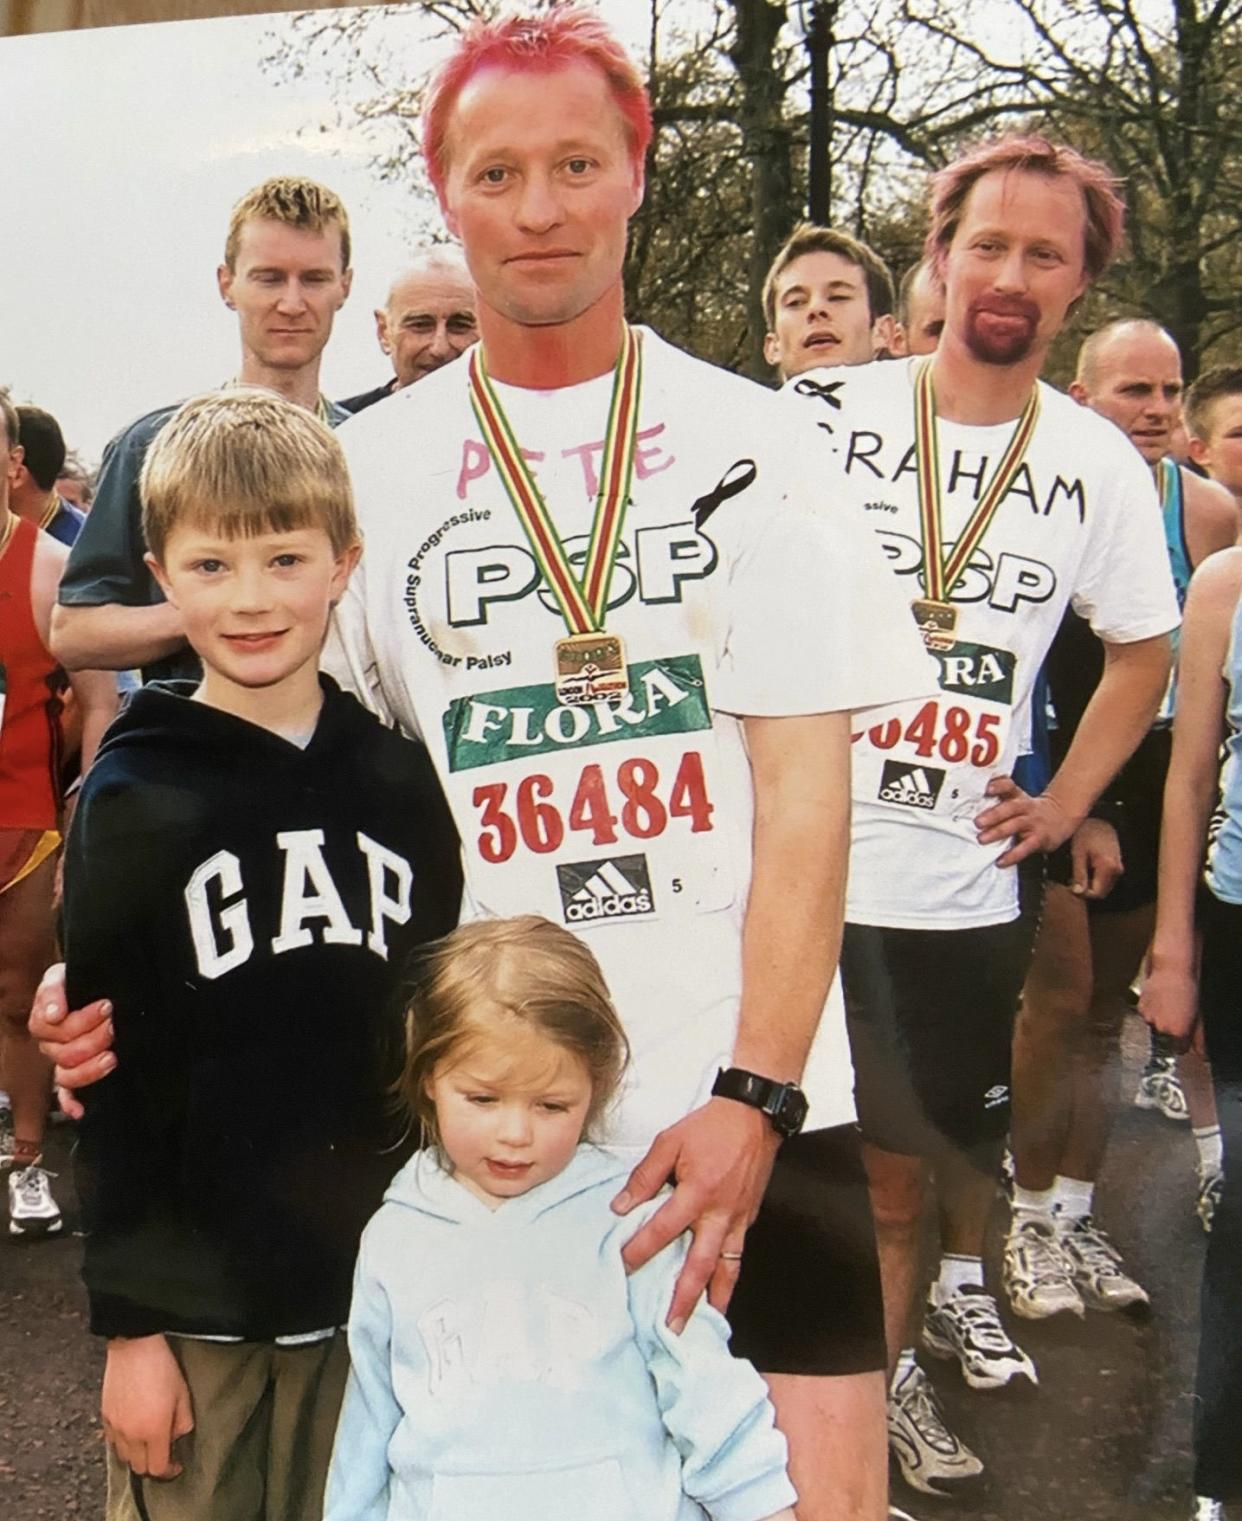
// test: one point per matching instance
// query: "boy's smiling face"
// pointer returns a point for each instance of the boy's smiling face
(254, 609)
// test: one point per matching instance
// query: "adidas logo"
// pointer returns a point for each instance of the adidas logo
(911, 786)
(614, 888)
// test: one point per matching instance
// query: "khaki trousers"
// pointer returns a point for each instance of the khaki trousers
(264, 1421)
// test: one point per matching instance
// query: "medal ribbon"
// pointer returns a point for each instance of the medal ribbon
(584, 602)
(940, 576)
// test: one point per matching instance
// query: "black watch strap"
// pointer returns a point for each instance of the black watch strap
(784, 1103)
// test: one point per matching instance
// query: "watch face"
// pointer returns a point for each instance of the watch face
(791, 1113)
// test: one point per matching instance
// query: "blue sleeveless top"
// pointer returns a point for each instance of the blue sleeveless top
(1224, 862)
(1173, 510)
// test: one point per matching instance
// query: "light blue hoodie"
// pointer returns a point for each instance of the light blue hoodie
(505, 1368)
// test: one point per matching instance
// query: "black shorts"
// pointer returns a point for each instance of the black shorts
(808, 1299)
(1220, 988)
(1135, 812)
(931, 1016)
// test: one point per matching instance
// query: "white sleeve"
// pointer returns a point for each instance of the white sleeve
(358, 1478)
(348, 656)
(1124, 587)
(714, 1405)
(817, 620)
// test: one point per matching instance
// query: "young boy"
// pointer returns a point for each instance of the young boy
(1214, 422)
(252, 861)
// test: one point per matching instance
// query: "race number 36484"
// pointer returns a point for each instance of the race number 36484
(633, 799)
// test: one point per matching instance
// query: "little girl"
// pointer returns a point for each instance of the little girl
(503, 1364)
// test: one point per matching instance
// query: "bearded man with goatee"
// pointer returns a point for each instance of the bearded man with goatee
(1000, 503)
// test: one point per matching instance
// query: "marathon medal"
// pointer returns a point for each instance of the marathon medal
(591, 668)
(934, 613)
(590, 664)
(937, 623)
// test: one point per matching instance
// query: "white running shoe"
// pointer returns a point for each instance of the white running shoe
(1207, 1510)
(7, 1140)
(1008, 1170)
(1038, 1277)
(1209, 1198)
(1160, 1088)
(1096, 1267)
(968, 1326)
(32, 1210)
(930, 1457)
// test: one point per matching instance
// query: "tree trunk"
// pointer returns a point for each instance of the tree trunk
(767, 146)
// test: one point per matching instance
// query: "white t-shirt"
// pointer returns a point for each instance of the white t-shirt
(630, 826)
(1081, 524)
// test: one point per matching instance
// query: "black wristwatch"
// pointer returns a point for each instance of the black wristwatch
(783, 1103)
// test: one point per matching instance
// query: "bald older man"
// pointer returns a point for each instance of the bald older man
(428, 320)
(920, 312)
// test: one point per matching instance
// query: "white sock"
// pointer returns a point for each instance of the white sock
(1033, 1201)
(1072, 1197)
(905, 1363)
(957, 1271)
(1207, 1141)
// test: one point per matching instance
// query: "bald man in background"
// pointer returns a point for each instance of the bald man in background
(428, 320)
(920, 312)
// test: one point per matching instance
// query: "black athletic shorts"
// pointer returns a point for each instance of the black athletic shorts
(808, 1299)
(1135, 810)
(931, 1016)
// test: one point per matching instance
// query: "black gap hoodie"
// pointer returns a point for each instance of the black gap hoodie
(250, 908)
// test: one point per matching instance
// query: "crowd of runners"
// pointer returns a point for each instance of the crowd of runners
(653, 650)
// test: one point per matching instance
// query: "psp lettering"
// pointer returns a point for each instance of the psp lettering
(655, 566)
(1006, 584)
(220, 913)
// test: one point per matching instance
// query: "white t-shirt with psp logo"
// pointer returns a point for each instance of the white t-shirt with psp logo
(630, 825)
(1080, 525)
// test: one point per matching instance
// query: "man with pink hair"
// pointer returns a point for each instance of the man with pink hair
(592, 580)
(998, 502)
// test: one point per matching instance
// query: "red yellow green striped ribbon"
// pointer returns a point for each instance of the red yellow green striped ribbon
(940, 576)
(584, 602)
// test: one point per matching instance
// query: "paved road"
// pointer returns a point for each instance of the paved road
(1105, 1437)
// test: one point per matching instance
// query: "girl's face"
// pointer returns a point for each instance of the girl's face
(510, 1111)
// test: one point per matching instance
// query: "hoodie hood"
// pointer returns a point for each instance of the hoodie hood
(423, 1184)
(164, 717)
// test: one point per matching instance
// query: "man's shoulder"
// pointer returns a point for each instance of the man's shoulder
(1070, 426)
(859, 389)
(352, 405)
(1208, 497)
(138, 434)
(666, 362)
